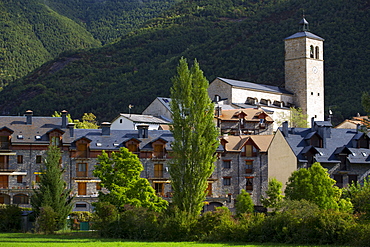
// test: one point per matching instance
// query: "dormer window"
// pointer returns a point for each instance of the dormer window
(55, 141)
(4, 142)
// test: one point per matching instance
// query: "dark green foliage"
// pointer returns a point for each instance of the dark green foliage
(52, 190)
(104, 216)
(365, 101)
(233, 39)
(47, 221)
(10, 218)
(303, 222)
(195, 138)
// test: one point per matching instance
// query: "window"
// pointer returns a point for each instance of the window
(248, 150)
(352, 179)
(81, 170)
(227, 181)
(4, 142)
(158, 151)
(311, 51)
(311, 93)
(82, 150)
(159, 188)
(98, 186)
(120, 121)
(37, 178)
(55, 141)
(4, 165)
(132, 147)
(226, 164)
(4, 181)
(209, 189)
(20, 199)
(339, 179)
(158, 170)
(38, 159)
(19, 179)
(80, 205)
(249, 184)
(317, 52)
(20, 159)
(81, 188)
(248, 166)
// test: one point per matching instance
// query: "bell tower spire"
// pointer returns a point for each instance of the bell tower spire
(304, 71)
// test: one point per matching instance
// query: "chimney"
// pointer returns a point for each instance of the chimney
(312, 124)
(105, 128)
(143, 130)
(64, 119)
(71, 127)
(285, 129)
(29, 114)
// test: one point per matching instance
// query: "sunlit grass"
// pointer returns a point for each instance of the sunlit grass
(89, 239)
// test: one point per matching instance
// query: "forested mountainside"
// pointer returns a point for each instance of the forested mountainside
(33, 32)
(109, 20)
(235, 39)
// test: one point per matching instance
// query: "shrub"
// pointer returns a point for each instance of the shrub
(47, 220)
(10, 218)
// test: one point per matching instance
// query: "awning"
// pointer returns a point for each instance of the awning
(8, 153)
(14, 173)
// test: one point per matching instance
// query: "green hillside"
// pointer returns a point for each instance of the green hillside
(110, 19)
(230, 38)
(32, 34)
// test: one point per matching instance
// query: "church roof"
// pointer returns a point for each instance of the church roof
(255, 86)
(305, 34)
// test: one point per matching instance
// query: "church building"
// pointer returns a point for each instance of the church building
(304, 82)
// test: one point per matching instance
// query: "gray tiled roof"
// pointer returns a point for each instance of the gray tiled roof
(255, 86)
(117, 138)
(144, 119)
(304, 34)
(339, 140)
(26, 133)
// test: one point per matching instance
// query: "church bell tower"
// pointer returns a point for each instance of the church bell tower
(304, 71)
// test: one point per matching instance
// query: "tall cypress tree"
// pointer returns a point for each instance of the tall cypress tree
(52, 188)
(195, 138)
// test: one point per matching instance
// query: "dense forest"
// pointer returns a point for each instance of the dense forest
(33, 32)
(238, 39)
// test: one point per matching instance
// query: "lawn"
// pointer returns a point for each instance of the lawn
(87, 239)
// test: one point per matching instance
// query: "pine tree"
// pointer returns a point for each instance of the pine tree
(195, 138)
(52, 190)
(120, 174)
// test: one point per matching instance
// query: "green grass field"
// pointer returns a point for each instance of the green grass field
(87, 239)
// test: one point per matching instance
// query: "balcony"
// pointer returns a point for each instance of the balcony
(159, 155)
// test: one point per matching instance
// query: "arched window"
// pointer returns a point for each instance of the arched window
(317, 52)
(20, 199)
(311, 51)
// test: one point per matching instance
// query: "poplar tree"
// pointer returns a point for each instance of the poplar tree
(52, 190)
(195, 138)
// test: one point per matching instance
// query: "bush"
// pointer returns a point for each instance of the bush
(47, 220)
(10, 218)
(176, 225)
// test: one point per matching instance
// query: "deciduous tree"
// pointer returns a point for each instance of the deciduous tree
(244, 203)
(315, 185)
(273, 194)
(195, 138)
(120, 174)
